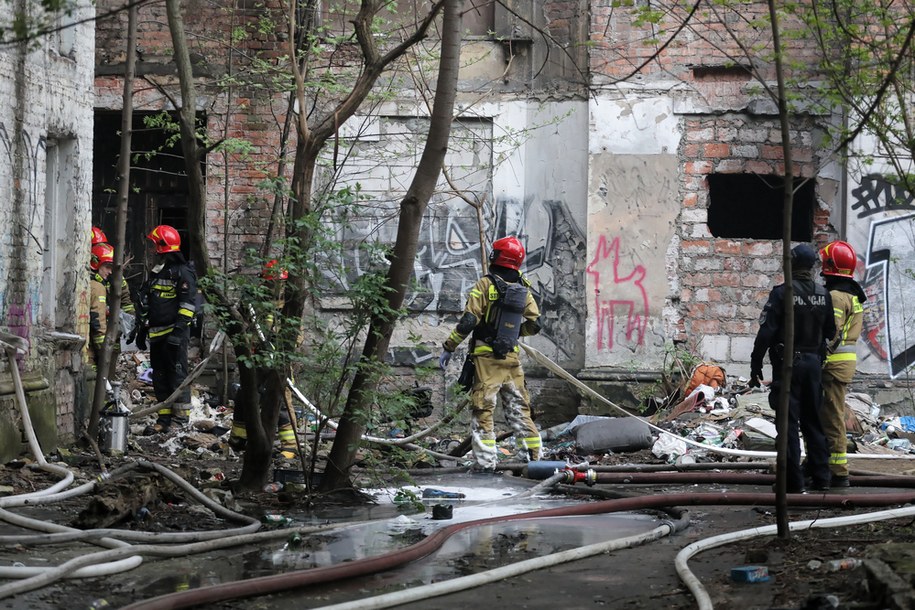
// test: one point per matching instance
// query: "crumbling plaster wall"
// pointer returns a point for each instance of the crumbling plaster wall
(505, 154)
(657, 274)
(632, 212)
(524, 157)
(45, 178)
(665, 117)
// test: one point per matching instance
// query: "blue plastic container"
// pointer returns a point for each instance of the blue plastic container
(541, 470)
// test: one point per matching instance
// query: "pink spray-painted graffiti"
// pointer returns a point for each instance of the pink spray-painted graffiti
(617, 295)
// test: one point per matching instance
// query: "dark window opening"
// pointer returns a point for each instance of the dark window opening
(158, 193)
(750, 206)
(728, 72)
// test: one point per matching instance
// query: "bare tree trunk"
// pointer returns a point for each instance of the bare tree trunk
(117, 276)
(257, 453)
(190, 147)
(412, 209)
(781, 460)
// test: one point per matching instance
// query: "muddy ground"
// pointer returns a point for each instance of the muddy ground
(641, 577)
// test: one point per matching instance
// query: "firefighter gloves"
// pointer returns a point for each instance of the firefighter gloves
(444, 359)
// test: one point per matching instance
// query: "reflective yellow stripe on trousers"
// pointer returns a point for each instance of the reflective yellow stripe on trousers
(838, 459)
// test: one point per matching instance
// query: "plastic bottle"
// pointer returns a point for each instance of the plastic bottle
(295, 541)
(839, 565)
(275, 520)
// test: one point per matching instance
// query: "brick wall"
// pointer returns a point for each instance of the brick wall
(724, 282)
(46, 100)
(714, 36)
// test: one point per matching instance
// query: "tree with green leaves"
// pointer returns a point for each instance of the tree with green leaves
(400, 271)
(323, 97)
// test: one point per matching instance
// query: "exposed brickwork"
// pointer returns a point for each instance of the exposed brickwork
(707, 41)
(729, 279)
(255, 109)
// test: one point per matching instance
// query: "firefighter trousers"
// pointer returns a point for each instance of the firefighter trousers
(500, 378)
(832, 415)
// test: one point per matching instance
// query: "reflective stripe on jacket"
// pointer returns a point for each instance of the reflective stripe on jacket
(98, 310)
(841, 354)
(172, 298)
(479, 303)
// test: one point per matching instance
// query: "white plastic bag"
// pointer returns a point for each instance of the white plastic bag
(668, 447)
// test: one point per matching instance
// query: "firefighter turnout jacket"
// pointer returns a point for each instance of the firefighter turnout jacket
(482, 315)
(99, 293)
(170, 298)
(847, 303)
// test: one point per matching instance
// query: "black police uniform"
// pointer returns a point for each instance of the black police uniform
(814, 323)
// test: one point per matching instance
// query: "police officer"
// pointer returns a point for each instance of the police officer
(499, 309)
(170, 297)
(813, 325)
(838, 266)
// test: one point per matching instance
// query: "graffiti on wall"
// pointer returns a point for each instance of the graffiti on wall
(617, 296)
(20, 301)
(890, 265)
(875, 195)
(448, 262)
(888, 278)
(6, 192)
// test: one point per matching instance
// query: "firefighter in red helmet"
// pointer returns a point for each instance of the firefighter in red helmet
(170, 300)
(98, 236)
(128, 312)
(839, 260)
(101, 263)
(500, 308)
(273, 275)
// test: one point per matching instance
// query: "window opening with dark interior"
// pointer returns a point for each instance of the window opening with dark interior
(750, 206)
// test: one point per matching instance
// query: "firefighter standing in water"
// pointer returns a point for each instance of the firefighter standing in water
(168, 301)
(273, 276)
(500, 308)
(838, 266)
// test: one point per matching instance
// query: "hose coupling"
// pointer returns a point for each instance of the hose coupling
(588, 477)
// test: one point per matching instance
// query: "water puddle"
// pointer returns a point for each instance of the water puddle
(393, 526)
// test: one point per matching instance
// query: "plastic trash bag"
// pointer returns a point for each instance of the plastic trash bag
(668, 447)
